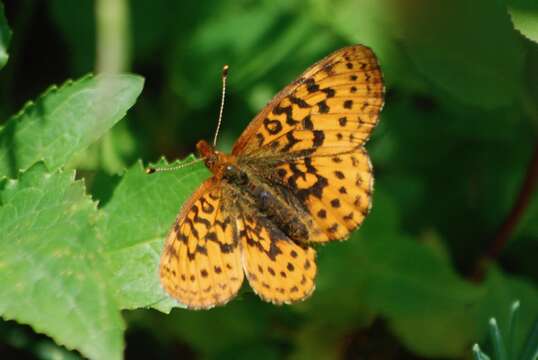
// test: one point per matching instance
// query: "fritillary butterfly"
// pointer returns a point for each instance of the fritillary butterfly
(298, 175)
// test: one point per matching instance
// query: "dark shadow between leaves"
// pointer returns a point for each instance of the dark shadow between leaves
(7, 142)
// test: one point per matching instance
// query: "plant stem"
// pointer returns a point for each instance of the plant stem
(521, 203)
(113, 43)
(528, 187)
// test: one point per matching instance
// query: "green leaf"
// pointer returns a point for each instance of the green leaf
(512, 325)
(134, 224)
(501, 291)
(464, 60)
(478, 354)
(524, 15)
(530, 350)
(5, 37)
(405, 286)
(497, 339)
(50, 267)
(64, 121)
(454, 312)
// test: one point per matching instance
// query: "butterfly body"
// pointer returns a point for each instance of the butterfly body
(297, 176)
(240, 180)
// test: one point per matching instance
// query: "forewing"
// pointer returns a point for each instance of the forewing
(201, 262)
(278, 270)
(335, 104)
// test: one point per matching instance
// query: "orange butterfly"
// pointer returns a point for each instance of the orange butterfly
(298, 175)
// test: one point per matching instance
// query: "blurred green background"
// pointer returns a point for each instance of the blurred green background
(451, 154)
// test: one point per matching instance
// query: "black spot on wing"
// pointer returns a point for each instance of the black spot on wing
(311, 85)
(319, 138)
(287, 110)
(291, 141)
(298, 101)
(307, 123)
(273, 127)
(323, 108)
(330, 92)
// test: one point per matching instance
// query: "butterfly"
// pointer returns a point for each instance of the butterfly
(298, 176)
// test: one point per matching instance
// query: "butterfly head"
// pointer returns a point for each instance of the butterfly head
(213, 159)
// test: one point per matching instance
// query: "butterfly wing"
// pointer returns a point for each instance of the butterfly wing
(334, 104)
(335, 189)
(308, 143)
(201, 262)
(310, 139)
(278, 269)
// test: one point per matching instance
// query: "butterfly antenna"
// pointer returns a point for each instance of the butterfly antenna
(224, 76)
(151, 170)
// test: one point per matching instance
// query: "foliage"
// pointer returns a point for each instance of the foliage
(82, 225)
(65, 121)
(133, 224)
(5, 37)
(506, 349)
(51, 273)
(524, 14)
